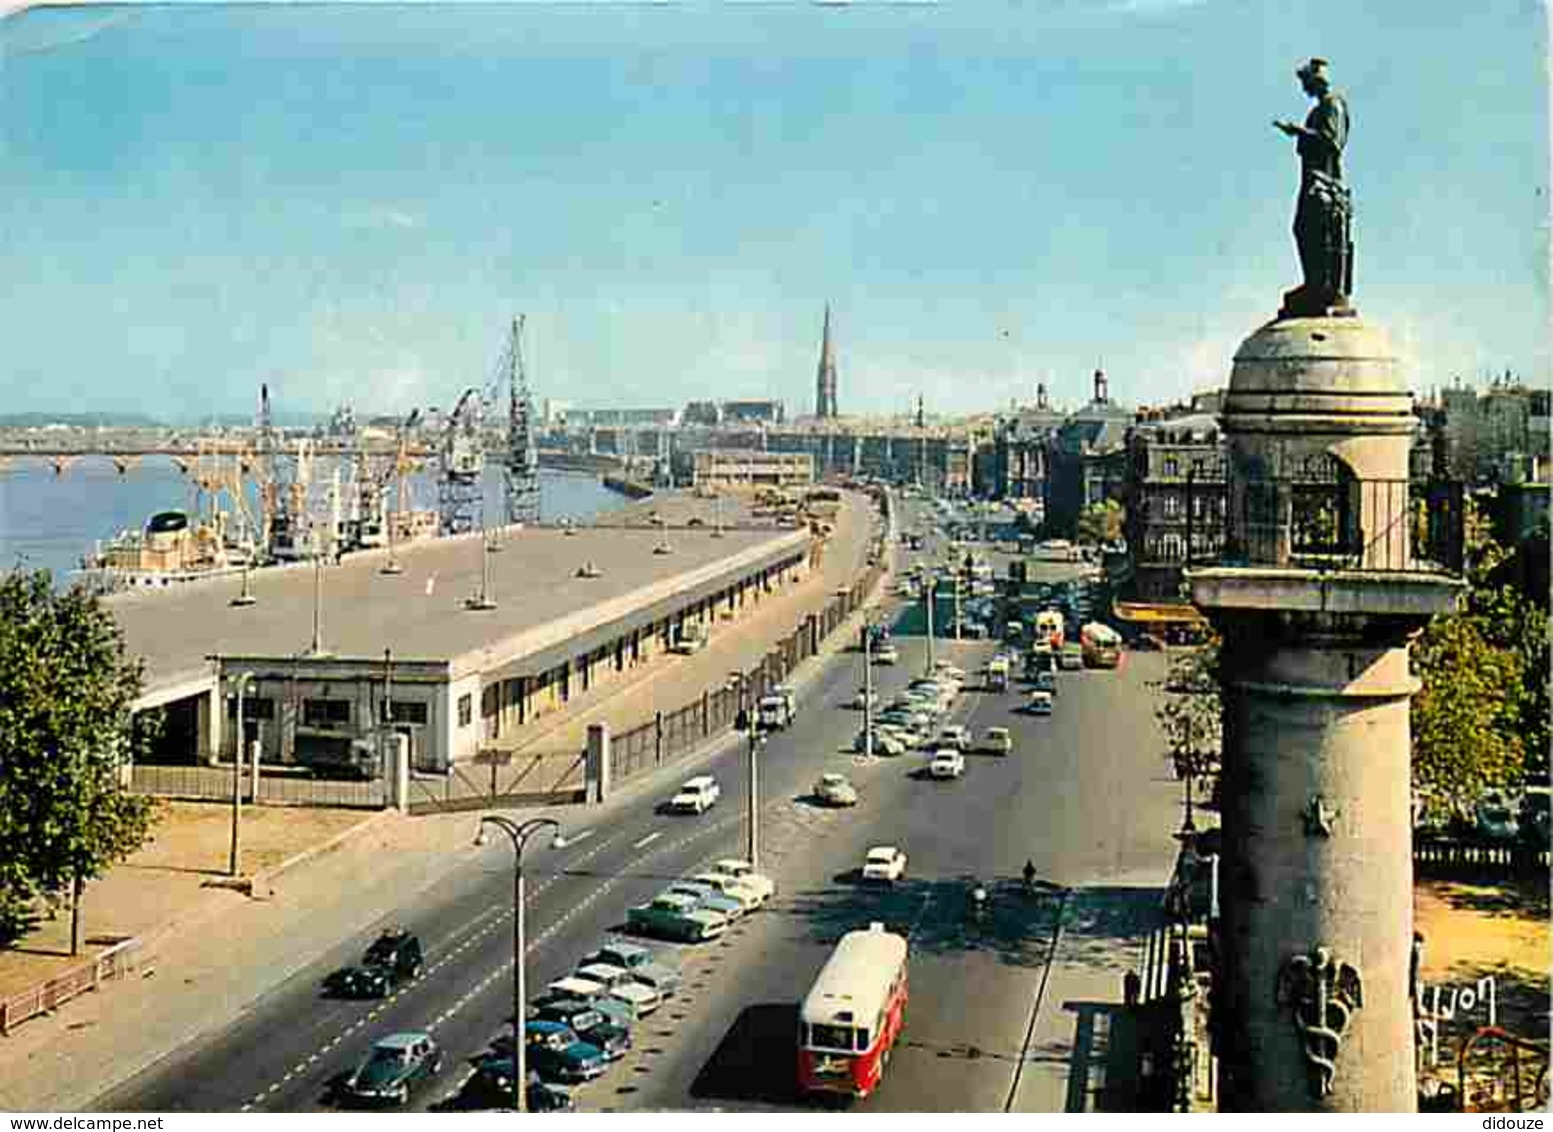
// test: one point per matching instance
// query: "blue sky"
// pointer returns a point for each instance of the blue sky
(351, 201)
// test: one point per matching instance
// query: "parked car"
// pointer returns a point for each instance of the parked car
(709, 898)
(998, 741)
(885, 742)
(1040, 703)
(947, 763)
(884, 863)
(1494, 819)
(394, 958)
(743, 870)
(835, 790)
(887, 654)
(673, 916)
(955, 735)
(613, 1009)
(731, 887)
(642, 962)
(1071, 658)
(865, 698)
(493, 1082)
(697, 795)
(586, 1021)
(622, 984)
(557, 1053)
(1534, 815)
(397, 1065)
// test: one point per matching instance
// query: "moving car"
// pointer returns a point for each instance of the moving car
(887, 654)
(835, 790)
(777, 710)
(947, 763)
(1071, 658)
(554, 1051)
(394, 958)
(956, 736)
(396, 1066)
(673, 916)
(696, 796)
(865, 698)
(998, 741)
(1040, 703)
(884, 863)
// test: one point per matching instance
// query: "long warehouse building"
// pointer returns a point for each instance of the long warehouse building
(327, 656)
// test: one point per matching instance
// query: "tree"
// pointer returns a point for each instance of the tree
(1100, 523)
(66, 688)
(1191, 714)
(1481, 719)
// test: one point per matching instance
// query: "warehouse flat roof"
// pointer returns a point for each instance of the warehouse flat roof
(420, 613)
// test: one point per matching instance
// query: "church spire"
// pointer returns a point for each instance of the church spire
(825, 378)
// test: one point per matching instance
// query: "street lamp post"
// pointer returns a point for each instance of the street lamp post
(519, 835)
(746, 719)
(930, 598)
(868, 689)
(240, 684)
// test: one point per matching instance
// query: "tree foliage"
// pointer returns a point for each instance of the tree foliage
(1481, 719)
(1191, 714)
(66, 688)
(1100, 523)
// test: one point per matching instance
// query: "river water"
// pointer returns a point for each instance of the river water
(50, 521)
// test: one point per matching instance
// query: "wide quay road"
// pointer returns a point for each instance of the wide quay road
(284, 1051)
(1085, 796)
(1003, 1006)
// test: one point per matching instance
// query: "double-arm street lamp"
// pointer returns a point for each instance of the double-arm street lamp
(519, 834)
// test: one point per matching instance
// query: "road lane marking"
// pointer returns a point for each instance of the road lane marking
(576, 837)
(649, 839)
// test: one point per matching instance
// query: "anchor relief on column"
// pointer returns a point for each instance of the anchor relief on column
(1322, 994)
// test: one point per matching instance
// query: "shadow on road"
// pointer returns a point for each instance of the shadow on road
(936, 915)
(755, 1061)
(1104, 927)
(1104, 1070)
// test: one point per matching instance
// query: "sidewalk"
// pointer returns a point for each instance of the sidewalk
(228, 949)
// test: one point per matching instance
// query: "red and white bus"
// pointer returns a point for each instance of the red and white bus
(853, 1014)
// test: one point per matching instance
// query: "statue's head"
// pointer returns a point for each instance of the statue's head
(1313, 77)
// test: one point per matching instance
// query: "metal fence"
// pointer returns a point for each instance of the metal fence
(530, 778)
(115, 963)
(1455, 855)
(669, 735)
(276, 788)
(1323, 518)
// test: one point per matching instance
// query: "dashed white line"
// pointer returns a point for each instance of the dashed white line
(576, 837)
(648, 840)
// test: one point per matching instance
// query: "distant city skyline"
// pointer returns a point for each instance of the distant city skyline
(350, 202)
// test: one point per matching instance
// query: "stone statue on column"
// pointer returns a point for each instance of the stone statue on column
(1323, 216)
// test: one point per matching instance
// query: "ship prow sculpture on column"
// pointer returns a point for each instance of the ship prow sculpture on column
(1333, 559)
(1323, 214)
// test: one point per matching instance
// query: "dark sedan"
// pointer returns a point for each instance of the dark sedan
(586, 1021)
(554, 1052)
(396, 1067)
(493, 1083)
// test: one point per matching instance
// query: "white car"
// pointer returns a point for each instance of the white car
(957, 736)
(884, 862)
(887, 654)
(696, 796)
(943, 668)
(947, 763)
(1040, 703)
(623, 985)
(865, 699)
(744, 871)
(733, 888)
(835, 790)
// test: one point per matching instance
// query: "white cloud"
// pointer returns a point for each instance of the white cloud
(380, 217)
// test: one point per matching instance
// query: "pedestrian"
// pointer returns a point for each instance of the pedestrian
(1132, 988)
